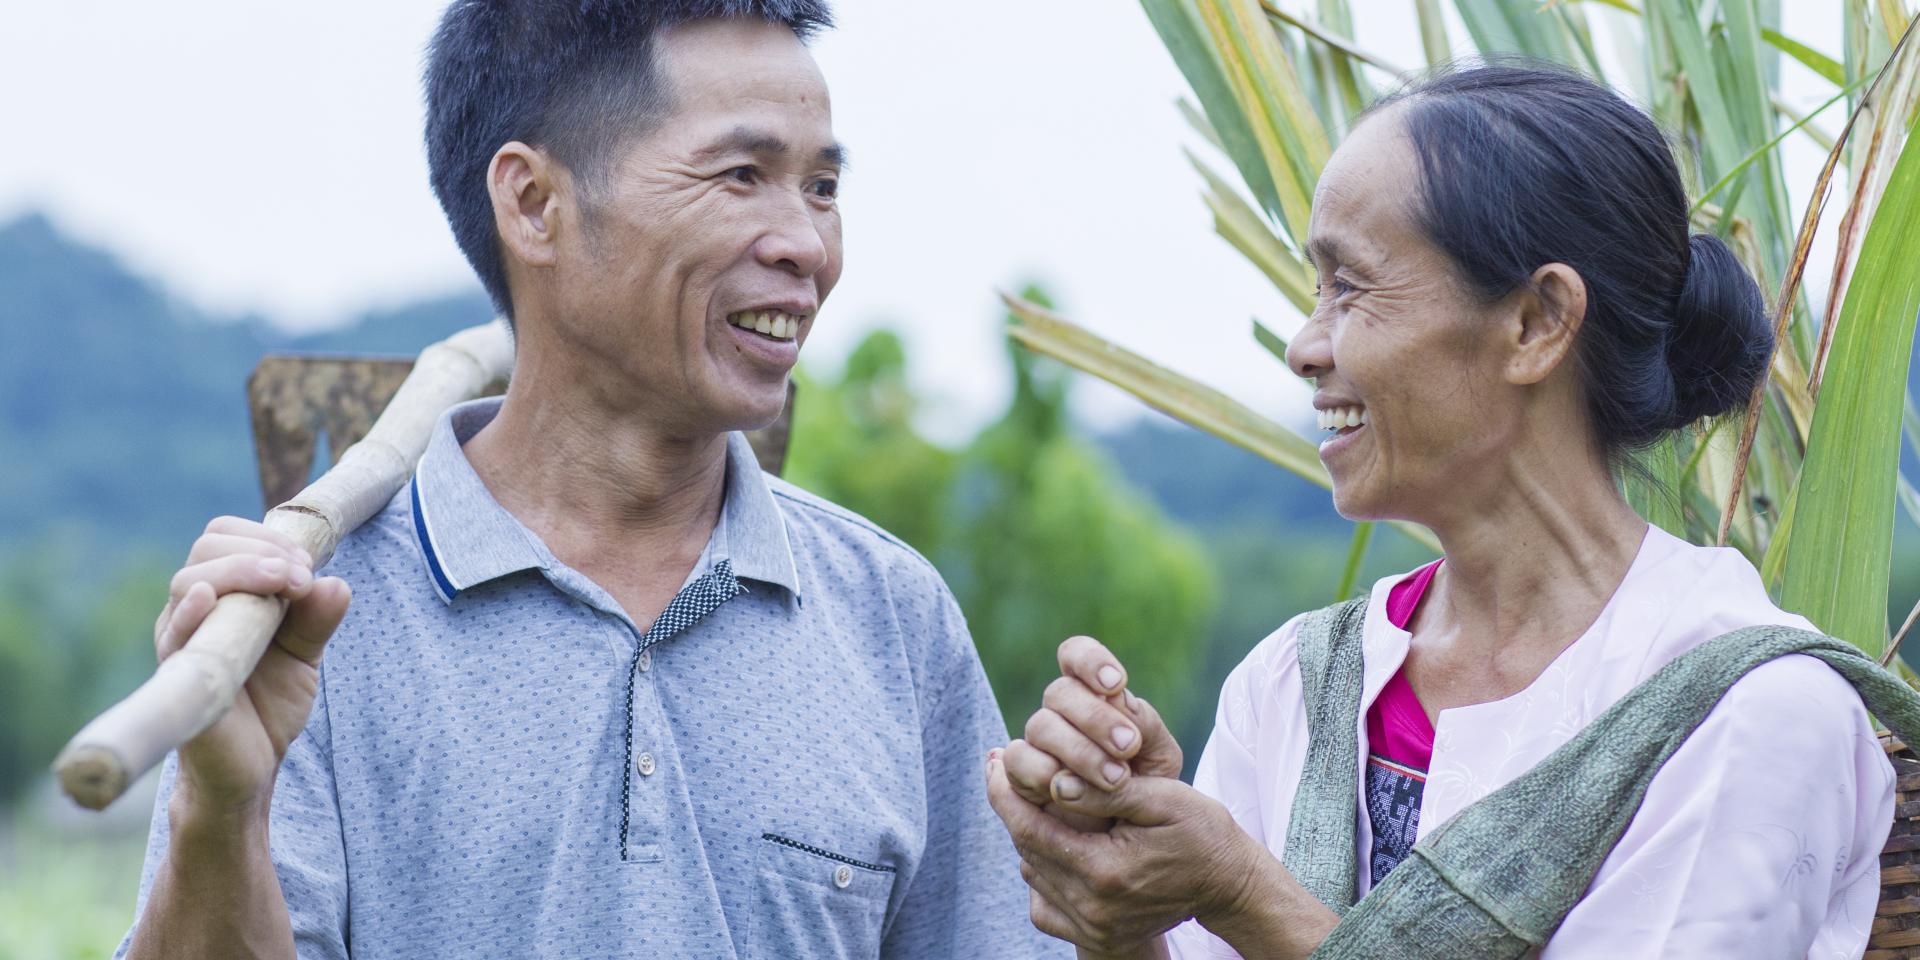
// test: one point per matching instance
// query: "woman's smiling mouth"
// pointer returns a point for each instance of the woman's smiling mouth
(1340, 424)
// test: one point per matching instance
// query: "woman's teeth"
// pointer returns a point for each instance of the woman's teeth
(1341, 417)
(773, 323)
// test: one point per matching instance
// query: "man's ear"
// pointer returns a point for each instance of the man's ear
(523, 182)
(1545, 323)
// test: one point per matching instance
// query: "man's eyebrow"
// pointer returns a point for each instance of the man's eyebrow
(761, 143)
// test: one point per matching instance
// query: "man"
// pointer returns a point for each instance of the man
(605, 690)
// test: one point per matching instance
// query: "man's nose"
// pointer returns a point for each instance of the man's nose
(794, 242)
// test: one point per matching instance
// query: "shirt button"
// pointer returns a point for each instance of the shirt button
(646, 660)
(842, 876)
(645, 763)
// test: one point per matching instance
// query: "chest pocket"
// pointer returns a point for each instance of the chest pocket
(814, 903)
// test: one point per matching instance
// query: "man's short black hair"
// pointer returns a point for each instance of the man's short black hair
(573, 77)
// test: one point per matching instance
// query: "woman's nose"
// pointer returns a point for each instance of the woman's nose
(1310, 353)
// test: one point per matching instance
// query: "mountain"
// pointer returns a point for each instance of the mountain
(123, 410)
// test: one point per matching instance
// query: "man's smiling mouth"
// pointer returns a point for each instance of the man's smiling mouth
(774, 324)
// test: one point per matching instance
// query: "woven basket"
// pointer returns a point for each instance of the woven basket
(1896, 925)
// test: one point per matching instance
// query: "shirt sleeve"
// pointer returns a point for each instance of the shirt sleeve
(965, 898)
(1759, 837)
(1231, 763)
(303, 837)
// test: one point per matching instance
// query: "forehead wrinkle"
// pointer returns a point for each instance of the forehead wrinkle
(744, 139)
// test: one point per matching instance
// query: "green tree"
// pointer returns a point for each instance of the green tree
(1036, 532)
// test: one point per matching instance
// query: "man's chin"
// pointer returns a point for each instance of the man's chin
(752, 408)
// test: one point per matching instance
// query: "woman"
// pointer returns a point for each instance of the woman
(1510, 304)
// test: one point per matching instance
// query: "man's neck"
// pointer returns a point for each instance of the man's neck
(602, 487)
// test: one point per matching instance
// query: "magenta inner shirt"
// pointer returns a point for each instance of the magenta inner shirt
(1399, 744)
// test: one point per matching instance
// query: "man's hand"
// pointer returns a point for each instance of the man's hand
(1091, 725)
(230, 767)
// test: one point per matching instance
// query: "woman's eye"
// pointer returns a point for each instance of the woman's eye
(826, 189)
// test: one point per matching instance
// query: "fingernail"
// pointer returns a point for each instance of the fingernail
(306, 558)
(1114, 772)
(1122, 737)
(1068, 787)
(1133, 702)
(298, 577)
(273, 567)
(1109, 677)
(993, 754)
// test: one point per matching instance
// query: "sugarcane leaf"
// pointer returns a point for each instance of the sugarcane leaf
(1504, 26)
(1836, 570)
(1241, 226)
(1356, 554)
(1433, 32)
(1328, 37)
(1656, 487)
(1909, 499)
(1180, 397)
(1288, 132)
(1810, 58)
(1179, 27)
(1275, 343)
(1767, 147)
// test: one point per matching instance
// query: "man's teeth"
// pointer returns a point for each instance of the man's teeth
(773, 323)
(1341, 417)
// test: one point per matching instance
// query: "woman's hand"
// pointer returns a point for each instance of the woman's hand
(1173, 853)
(1091, 725)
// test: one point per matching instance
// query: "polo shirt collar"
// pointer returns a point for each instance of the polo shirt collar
(467, 538)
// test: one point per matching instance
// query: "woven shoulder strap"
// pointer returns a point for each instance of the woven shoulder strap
(1496, 880)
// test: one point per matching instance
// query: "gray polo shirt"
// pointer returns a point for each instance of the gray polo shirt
(500, 763)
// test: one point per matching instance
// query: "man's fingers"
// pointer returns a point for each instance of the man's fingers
(214, 545)
(1049, 732)
(244, 573)
(312, 618)
(1093, 663)
(187, 614)
(242, 527)
(1093, 715)
(1030, 771)
(1141, 801)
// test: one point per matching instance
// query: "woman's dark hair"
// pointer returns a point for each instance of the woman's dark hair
(1526, 164)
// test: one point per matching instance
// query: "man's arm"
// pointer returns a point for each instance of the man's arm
(213, 889)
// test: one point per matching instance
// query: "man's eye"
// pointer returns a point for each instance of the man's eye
(743, 174)
(1335, 286)
(827, 189)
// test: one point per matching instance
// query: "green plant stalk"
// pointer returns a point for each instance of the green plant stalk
(1356, 553)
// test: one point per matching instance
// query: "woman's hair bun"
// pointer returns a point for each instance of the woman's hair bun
(1720, 340)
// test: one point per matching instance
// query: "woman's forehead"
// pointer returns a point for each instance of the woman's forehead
(1365, 193)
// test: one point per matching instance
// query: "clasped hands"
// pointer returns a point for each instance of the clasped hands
(1117, 850)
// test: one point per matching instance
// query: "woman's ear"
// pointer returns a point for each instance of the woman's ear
(521, 180)
(1546, 323)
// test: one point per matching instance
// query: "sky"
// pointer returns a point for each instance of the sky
(265, 158)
